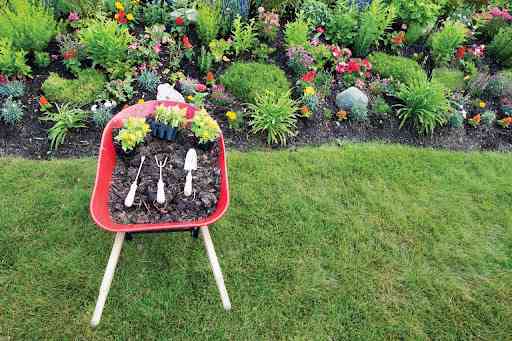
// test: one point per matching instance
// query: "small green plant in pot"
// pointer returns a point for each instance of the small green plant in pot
(131, 135)
(167, 120)
(205, 129)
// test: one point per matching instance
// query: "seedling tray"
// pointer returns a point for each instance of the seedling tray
(99, 206)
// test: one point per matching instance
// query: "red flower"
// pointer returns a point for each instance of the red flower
(399, 38)
(121, 17)
(43, 101)
(309, 76)
(186, 42)
(3, 79)
(336, 51)
(210, 77)
(341, 68)
(366, 63)
(320, 29)
(179, 21)
(353, 66)
(461, 51)
(69, 54)
(200, 87)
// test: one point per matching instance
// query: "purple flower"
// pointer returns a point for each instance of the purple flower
(73, 16)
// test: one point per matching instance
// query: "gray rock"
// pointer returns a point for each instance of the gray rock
(346, 99)
(189, 13)
(166, 92)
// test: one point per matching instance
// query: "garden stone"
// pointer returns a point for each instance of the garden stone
(189, 13)
(166, 92)
(346, 99)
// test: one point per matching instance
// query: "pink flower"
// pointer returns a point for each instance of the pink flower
(346, 52)
(200, 87)
(55, 57)
(3, 79)
(315, 42)
(495, 12)
(133, 46)
(157, 48)
(367, 65)
(336, 51)
(341, 67)
(320, 29)
(309, 76)
(73, 16)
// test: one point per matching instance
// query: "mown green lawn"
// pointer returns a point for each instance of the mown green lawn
(362, 242)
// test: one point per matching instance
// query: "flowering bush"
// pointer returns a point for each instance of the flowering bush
(133, 133)
(299, 60)
(173, 116)
(204, 127)
(268, 23)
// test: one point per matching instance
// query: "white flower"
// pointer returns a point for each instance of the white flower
(94, 108)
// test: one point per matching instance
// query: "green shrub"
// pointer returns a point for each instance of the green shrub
(208, 22)
(373, 22)
(381, 107)
(359, 113)
(456, 120)
(274, 114)
(316, 12)
(341, 29)
(244, 36)
(248, 80)
(488, 117)
(42, 59)
(501, 46)
(419, 12)
(85, 8)
(156, 12)
(66, 118)
(12, 61)
(11, 112)
(81, 91)
(101, 116)
(445, 41)
(106, 43)
(399, 68)
(425, 105)
(451, 79)
(28, 24)
(148, 80)
(296, 33)
(12, 89)
(120, 90)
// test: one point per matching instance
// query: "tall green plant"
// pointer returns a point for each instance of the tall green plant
(342, 26)
(445, 41)
(29, 25)
(208, 22)
(501, 46)
(244, 36)
(297, 33)
(373, 22)
(425, 105)
(12, 61)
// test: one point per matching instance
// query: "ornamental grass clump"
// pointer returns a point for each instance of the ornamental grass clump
(133, 133)
(11, 111)
(274, 114)
(204, 127)
(172, 116)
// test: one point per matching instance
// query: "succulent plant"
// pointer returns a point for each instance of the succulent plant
(359, 113)
(101, 116)
(11, 111)
(456, 120)
(13, 89)
(188, 86)
(488, 117)
(148, 80)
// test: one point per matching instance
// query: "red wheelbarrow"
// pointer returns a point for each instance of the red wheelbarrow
(99, 207)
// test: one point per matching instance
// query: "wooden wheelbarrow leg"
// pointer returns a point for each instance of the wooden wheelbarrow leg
(214, 262)
(107, 278)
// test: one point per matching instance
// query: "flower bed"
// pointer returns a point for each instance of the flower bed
(421, 72)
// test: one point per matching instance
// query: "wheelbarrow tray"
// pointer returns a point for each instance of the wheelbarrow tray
(99, 206)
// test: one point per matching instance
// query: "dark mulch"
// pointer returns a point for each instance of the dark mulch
(178, 207)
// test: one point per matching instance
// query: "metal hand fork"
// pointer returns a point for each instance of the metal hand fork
(160, 193)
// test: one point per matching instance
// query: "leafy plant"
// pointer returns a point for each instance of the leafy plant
(205, 60)
(119, 89)
(85, 8)
(133, 133)
(148, 80)
(81, 91)
(425, 105)
(296, 33)
(175, 55)
(42, 59)
(248, 80)
(374, 21)
(11, 111)
(13, 89)
(262, 52)
(208, 21)
(315, 12)
(273, 113)
(399, 68)
(381, 107)
(173, 116)
(106, 43)
(12, 61)
(496, 86)
(29, 25)
(359, 113)
(204, 127)
(419, 12)
(451, 79)
(219, 48)
(244, 36)
(342, 26)
(101, 115)
(488, 117)
(501, 46)
(444, 42)
(156, 12)
(299, 60)
(66, 118)
(72, 52)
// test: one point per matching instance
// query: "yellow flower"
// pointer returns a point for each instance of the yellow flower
(309, 91)
(190, 97)
(482, 104)
(135, 2)
(130, 17)
(467, 77)
(119, 6)
(140, 101)
(231, 115)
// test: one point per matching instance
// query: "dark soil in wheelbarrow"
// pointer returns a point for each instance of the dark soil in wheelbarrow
(177, 207)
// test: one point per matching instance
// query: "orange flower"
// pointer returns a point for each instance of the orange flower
(43, 101)
(304, 110)
(210, 77)
(342, 115)
(399, 38)
(476, 118)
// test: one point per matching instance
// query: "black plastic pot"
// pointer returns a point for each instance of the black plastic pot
(122, 154)
(162, 131)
